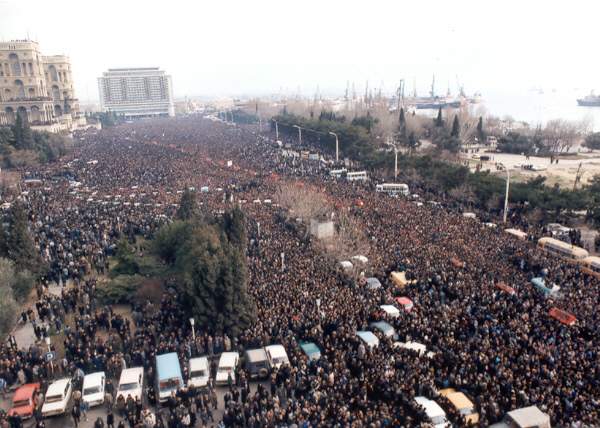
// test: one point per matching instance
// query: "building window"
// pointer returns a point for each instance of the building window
(53, 73)
(15, 66)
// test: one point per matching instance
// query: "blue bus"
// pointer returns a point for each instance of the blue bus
(168, 375)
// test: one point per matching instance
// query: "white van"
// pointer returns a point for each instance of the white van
(227, 365)
(434, 412)
(57, 398)
(93, 389)
(199, 372)
(131, 383)
(276, 355)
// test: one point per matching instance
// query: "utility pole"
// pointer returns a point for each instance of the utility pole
(299, 134)
(276, 131)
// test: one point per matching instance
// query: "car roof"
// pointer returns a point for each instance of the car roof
(26, 391)
(276, 350)
(199, 362)
(167, 366)
(93, 377)
(310, 348)
(382, 326)
(130, 374)
(528, 416)
(432, 409)
(367, 336)
(256, 354)
(228, 358)
(57, 387)
(460, 400)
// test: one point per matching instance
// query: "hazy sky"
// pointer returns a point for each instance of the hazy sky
(248, 47)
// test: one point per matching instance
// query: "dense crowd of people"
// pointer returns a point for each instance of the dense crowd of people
(503, 350)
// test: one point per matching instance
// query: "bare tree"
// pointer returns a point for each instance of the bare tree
(303, 201)
(560, 135)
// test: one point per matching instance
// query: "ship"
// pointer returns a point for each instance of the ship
(435, 102)
(590, 100)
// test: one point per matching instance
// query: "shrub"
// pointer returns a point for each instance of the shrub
(23, 284)
(119, 289)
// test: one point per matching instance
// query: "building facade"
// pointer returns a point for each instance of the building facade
(136, 92)
(36, 87)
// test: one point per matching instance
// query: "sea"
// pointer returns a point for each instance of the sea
(539, 105)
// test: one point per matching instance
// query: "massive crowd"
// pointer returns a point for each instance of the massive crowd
(503, 350)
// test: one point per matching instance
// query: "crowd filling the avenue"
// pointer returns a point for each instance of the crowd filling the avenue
(501, 349)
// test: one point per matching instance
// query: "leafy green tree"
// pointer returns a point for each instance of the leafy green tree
(17, 242)
(455, 128)
(235, 228)
(593, 191)
(188, 208)
(439, 121)
(480, 132)
(413, 143)
(23, 138)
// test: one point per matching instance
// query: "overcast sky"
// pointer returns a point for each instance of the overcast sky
(248, 47)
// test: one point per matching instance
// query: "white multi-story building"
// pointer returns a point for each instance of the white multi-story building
(136, 92)
(37, 88)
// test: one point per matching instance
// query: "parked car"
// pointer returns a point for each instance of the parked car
(24, 401)
(226, 368)
(257, 363)
(276, 355)
(131, 383)
(57, 397)
(199, 372)
(311, 350)
(93, 389)
(525, 417)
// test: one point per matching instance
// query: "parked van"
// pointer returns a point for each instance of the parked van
(384, 328)
(227, 365)
(199, 372)
(168, 375)
(526, 417)
(276, 355)
(368, 338)
(57, 397)
(257, 363)
(93, 389)
(131, 383)
(434, 412)
(461, 404)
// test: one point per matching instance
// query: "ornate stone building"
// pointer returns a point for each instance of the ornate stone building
(36, 87)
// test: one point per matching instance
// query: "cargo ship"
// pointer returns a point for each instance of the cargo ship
(589, 101)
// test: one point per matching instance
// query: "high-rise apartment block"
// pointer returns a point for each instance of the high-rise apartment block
(136, 92)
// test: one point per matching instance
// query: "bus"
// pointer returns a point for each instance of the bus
(562, 249)
(393, 188)
(357, 176)
(168, 375)
(337, 173)
(591, 266)
(519, 234)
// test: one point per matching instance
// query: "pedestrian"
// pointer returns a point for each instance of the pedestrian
(76, 414)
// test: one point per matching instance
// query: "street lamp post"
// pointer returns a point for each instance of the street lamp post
(395, 162)
(337, 146)
(192, 322)
(47, 339)
(276, 131)
(506, 194)
(299, 134)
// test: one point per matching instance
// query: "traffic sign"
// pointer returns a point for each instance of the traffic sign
(49, 356)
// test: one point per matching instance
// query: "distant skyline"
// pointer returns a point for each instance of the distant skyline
(253, 48)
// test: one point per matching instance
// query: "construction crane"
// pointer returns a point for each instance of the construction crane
(400, 94)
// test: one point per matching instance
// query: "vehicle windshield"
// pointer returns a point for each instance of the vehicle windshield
(466, 411)
(128, 386)
(169, 383)
(53, 398)
(224, 369)
(198, 373)
(438, 420)
(91, 390)
(21, 403)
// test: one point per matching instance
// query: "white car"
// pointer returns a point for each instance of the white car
(57, 398)
(226, 368)
(199, 372)
(276, 355)
(131, 383)
(93, 389)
